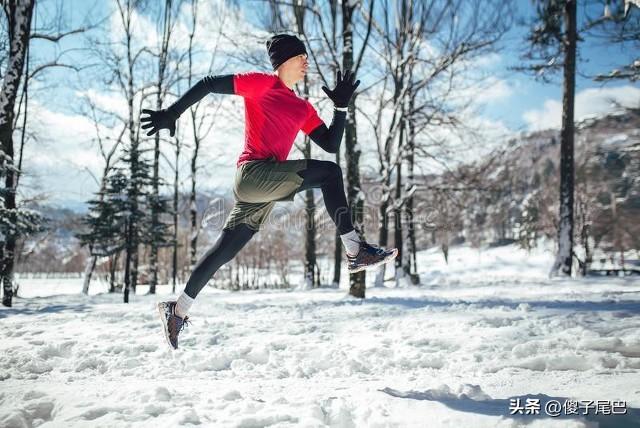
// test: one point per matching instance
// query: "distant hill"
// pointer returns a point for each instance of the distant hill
(513, 197)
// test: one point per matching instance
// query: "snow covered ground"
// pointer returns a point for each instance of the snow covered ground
(487, 329)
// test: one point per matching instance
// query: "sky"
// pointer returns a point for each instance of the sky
(530, 104)
(62, 158)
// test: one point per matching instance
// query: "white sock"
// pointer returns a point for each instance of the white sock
(183, 304)
(351, 242)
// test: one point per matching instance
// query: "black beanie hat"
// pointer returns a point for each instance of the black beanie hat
(281, 47)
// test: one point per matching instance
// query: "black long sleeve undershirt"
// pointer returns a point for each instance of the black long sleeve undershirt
(222, 84)
(327, 138)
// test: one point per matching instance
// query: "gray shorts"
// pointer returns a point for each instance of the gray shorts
(259, 185)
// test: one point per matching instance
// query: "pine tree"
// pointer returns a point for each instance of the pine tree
(553, 44)
(139, 229)
(111, 213)
(107, 217)
(119, 218)
(527, 226)
(620, 23)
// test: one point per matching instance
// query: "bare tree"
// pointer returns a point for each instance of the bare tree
(110, 156)
(18, 15)
(193, 207)
(158, 204)
(310, 270)
(201, 125)
(352, 61)
(15, 222)
(124, 70)
(399, 44)
(414, 93)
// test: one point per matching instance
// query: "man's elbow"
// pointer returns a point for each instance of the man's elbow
(331, 149)
(334, 144)
(331, 146)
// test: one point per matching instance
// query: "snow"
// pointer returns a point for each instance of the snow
(487, 328)
(617, 141)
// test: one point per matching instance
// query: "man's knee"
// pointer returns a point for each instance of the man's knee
(240, 230)
(333, 169)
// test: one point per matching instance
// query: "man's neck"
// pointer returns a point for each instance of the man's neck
(287, 82)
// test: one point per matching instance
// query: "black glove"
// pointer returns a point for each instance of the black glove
(344, 89)
(158, 120)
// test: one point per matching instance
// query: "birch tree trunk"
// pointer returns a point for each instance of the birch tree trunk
(18, 14)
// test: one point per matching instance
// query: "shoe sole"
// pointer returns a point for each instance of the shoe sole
(165, 326)
(381, 262)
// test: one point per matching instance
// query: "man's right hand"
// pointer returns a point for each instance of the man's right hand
(157, 120)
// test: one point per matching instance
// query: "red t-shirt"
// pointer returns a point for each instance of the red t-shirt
(273, 116)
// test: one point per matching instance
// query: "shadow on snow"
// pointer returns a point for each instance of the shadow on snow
(500, 407)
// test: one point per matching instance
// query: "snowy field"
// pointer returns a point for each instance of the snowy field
(485, 330)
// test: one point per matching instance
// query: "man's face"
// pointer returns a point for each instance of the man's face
(296, 66)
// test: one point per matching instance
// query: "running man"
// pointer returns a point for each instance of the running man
(273, 116)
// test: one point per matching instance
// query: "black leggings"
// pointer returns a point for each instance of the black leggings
(325, 175)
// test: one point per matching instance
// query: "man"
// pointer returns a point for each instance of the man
(274, 115)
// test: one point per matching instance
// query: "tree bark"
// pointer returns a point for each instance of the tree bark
(156, 234)
(564, 257)
(193, 208)
(383, 230)
(410, 265)
(174, 260)
(19, 26)
(131, 268)
(88, 272)
(113, 266)
(310, 262)
(127, 266)
(397, 209)
(355, 195)
(337, 252)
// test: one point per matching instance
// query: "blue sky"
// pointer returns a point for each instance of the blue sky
(595, 56)
(518, 103)
(527, 92)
